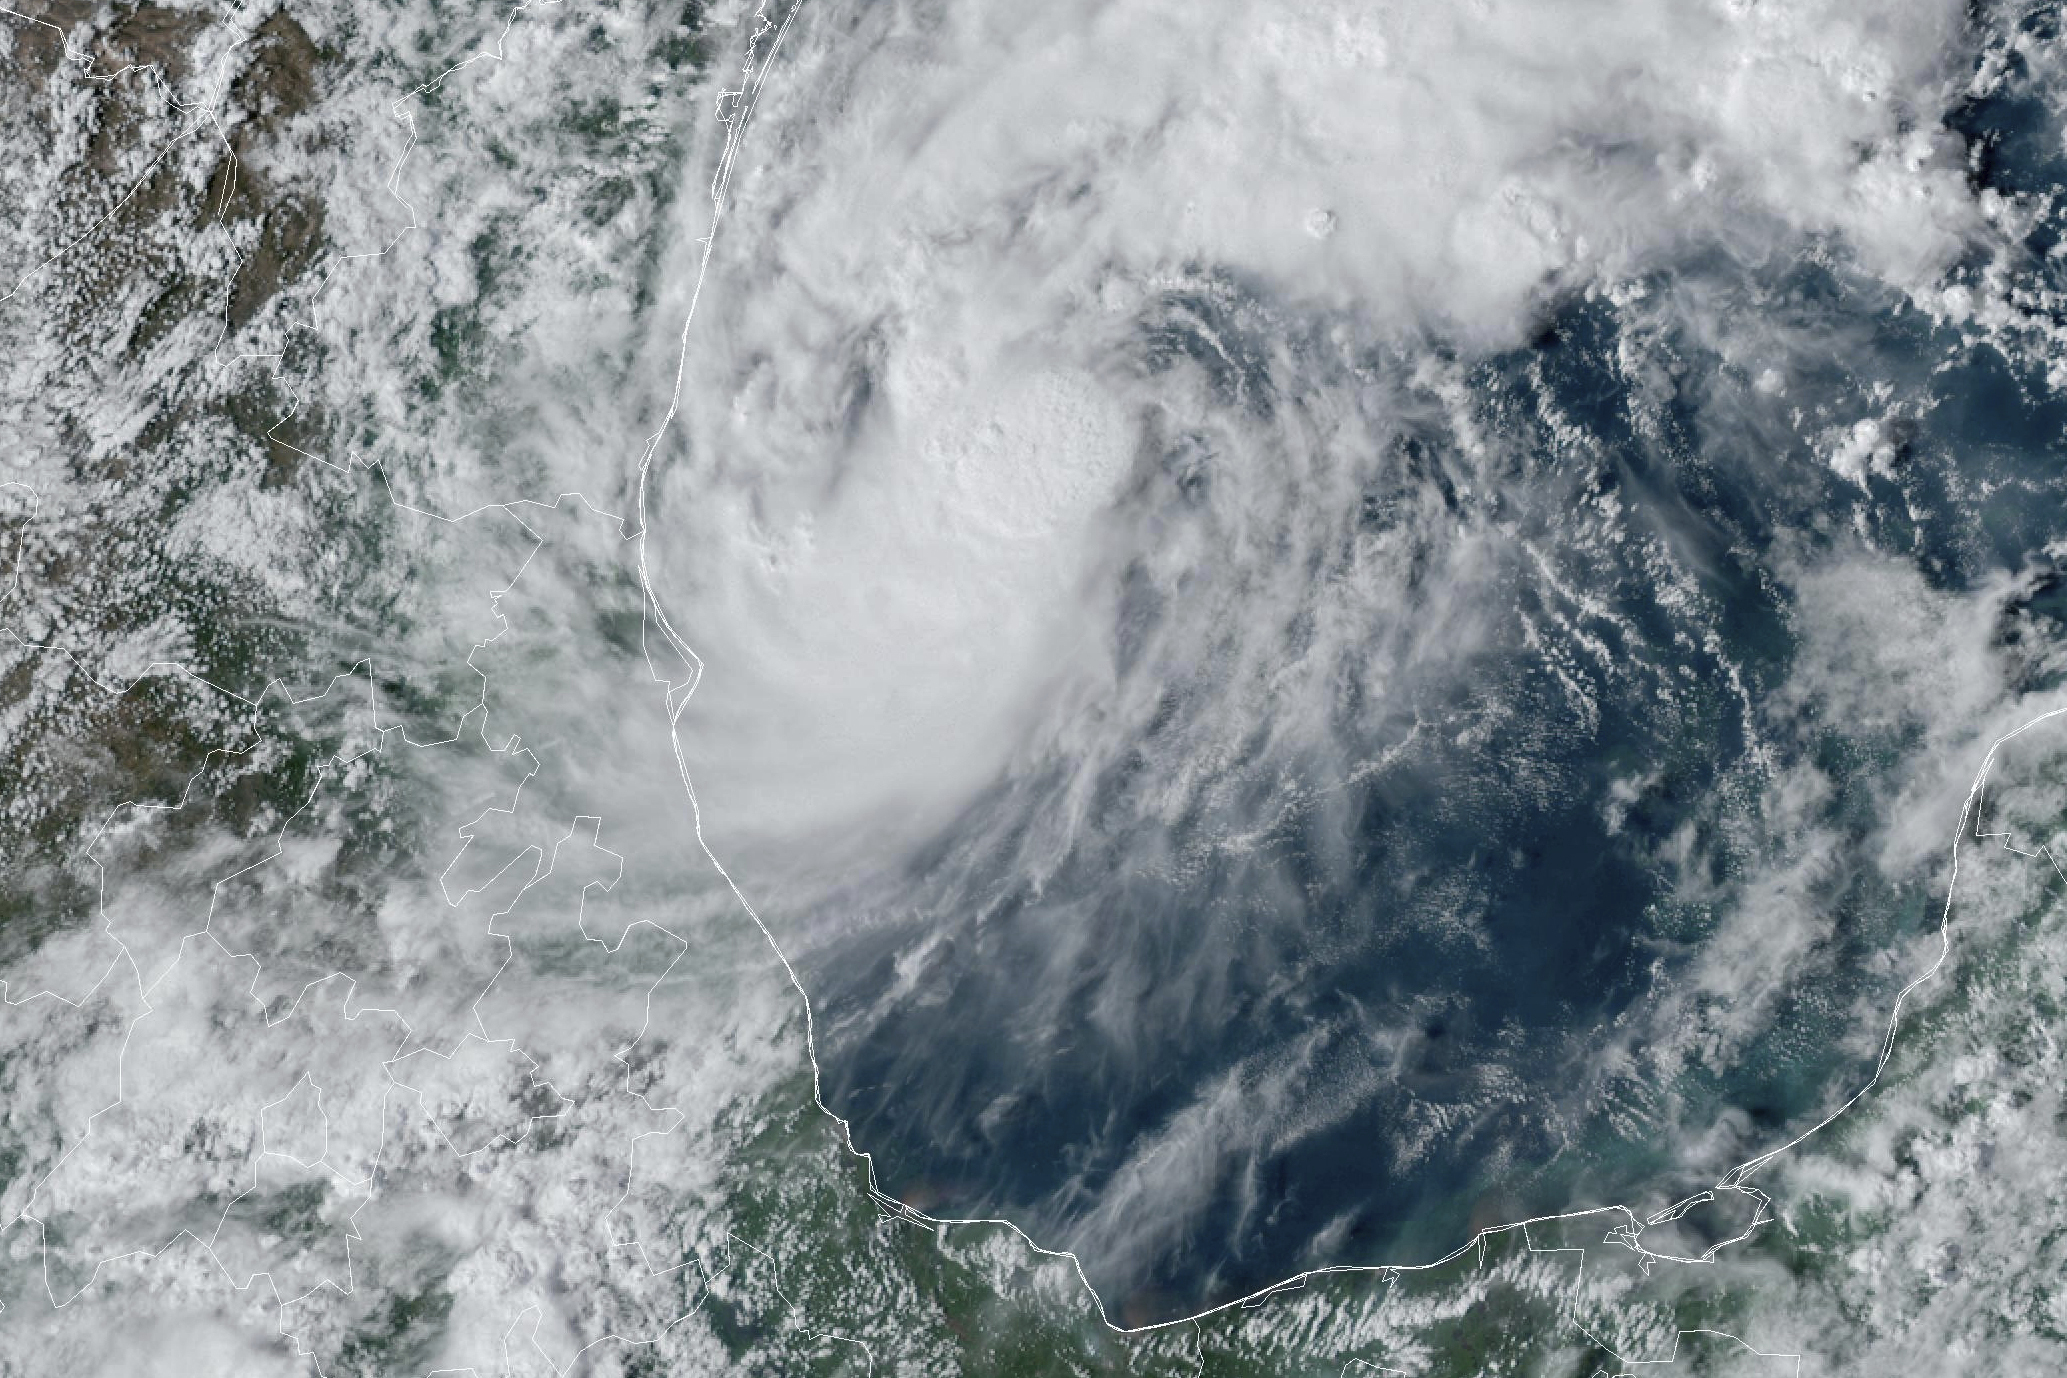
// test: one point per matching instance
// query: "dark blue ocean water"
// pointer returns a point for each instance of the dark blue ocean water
(1519, 870)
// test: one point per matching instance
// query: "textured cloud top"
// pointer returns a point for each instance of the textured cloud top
(1279, 590)
(922, 409)
(680, 688)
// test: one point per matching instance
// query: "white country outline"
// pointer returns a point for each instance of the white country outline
(477, 712)
(21, 538)
(209, 1244)
(467, 1041)
(480, 706)
(510, 745)
(272, 1018)
(155, 72)
(2003, 836)
(733, 1237)
(340, 1179)
(1627, 1366)
(678, 694)
(531, 1313)
(1629, 1232)
(265, 1145)
(206, 112)
(682, 947)
(741, 101)
(1366, 1366)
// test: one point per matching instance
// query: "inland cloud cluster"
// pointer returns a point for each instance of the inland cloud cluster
(936, 688)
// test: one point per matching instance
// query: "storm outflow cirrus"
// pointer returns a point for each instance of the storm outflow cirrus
(1301, 605)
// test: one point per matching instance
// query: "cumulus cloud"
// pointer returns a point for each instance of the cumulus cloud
(912, 410)
(1148, 588)
(1319, 627)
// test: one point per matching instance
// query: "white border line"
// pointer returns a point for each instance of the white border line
(678, 695)
(734, 110)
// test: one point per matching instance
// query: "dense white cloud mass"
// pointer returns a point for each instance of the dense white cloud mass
(1132, 551)
(915, 411)
(1321, 627)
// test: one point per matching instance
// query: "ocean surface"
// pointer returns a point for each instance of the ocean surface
(1348, 1005)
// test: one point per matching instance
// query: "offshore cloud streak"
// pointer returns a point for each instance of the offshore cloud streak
(1196, 671)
